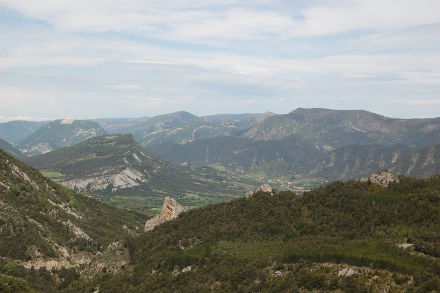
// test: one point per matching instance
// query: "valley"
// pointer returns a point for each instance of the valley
(134, 163)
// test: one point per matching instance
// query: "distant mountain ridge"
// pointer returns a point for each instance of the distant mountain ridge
(182, 127)
(15, 131)
(330, 129)
(59, 133)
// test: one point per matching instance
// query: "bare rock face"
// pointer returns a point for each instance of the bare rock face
(263, 188)
(170, 210)
(383, 178)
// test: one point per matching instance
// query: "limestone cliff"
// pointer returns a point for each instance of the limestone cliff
(170, 210)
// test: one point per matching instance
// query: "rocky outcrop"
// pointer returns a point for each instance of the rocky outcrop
(383, 178)
(170, 210)
(263, 188)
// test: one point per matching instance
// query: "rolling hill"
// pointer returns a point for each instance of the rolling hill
(59, 133)
(116, 165)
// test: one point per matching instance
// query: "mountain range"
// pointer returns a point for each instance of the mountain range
(303, 145)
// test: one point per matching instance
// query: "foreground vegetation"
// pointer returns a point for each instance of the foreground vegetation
(285, 242)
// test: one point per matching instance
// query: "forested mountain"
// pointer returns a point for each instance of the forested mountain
(117, 165)
(59, 133)
(55, 231)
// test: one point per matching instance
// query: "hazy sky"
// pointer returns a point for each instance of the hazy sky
(131, 58)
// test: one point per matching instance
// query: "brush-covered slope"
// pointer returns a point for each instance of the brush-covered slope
(15, 131)
(357, 160)
(43, 225)
(59, 133)
(116, 164)
(353, 237)
(7, 147)
(330, 129)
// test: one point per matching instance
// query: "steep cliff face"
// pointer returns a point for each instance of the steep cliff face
(170, 210)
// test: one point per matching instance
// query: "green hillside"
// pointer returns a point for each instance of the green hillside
(120, 170)
(58, 134)
(48, 233)
(351, 237)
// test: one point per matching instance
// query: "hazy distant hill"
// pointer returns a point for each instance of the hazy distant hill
(116, 164)
(59, 133)
(11, 150)
(15, 131)
(182, 127)
(330, 129)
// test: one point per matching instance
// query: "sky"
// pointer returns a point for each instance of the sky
(135, 58)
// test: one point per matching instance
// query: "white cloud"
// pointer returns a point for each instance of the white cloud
(423, 102)
(229, 19)
(161, 55)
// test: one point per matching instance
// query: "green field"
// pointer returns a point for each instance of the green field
(53, 175)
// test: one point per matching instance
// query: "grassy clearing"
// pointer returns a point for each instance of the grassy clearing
(53, 175)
